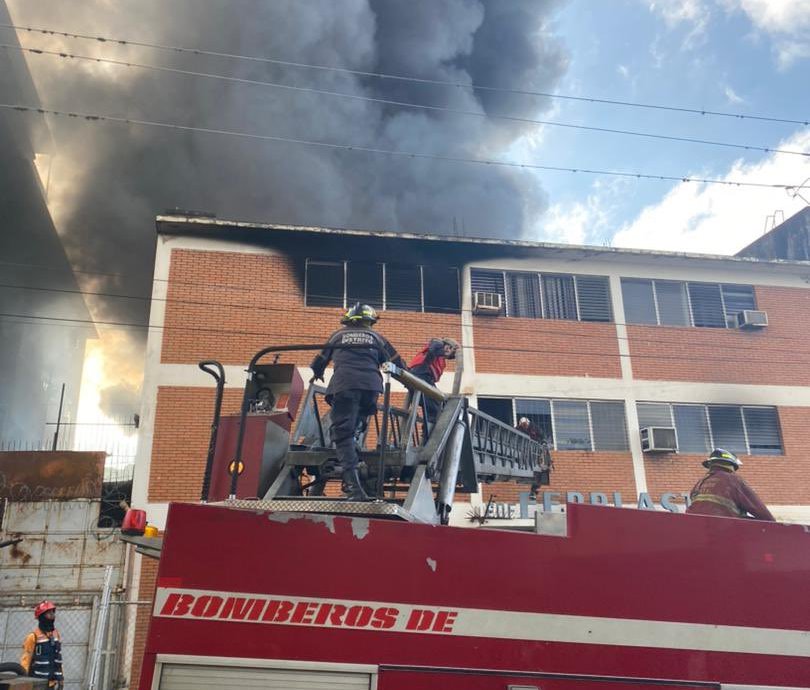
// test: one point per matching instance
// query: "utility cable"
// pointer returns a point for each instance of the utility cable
(406, 104)
(405, 78)
(478, 348)
(93, 117)
(394, 316)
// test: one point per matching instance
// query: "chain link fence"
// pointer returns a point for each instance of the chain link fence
(93, 638)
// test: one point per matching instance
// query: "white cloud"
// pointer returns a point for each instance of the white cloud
(732, 96)
(693, 13)
(786, 21)
(716, 218)
(622, 70)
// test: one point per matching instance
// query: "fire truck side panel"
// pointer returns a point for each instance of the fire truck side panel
(627, 594)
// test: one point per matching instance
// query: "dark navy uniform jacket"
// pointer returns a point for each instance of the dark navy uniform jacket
(356, 368)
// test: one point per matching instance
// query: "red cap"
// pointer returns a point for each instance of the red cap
(44, 606)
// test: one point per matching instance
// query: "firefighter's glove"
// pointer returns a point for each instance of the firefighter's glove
(318, 367)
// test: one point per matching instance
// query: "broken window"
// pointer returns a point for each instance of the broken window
(364, 283)
(325, 284)
(403, 287)
(441, 293)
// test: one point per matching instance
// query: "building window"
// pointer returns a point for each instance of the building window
(325, 284)
(745, 430)
(382, 285)
(364, 283)
(675, 303)
(566, 424)
(547, 295)
(441, 292)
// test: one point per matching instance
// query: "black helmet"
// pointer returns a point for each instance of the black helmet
(725, 456)
(360, 313)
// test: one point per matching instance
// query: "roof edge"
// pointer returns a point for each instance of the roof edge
(215, 223)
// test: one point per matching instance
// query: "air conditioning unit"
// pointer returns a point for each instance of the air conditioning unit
(658, 439)
(487, 303)
(751, 318)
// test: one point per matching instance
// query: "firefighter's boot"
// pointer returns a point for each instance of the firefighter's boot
(352, 487)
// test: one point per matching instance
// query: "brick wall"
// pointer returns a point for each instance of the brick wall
(146, 592)
(578, 471)
(778, 479)
(776, 355)
(545, 347)
(182, 430)
(229, 305)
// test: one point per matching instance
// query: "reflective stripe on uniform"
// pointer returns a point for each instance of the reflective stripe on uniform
(719, 500)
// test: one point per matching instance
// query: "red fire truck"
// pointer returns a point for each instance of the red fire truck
(303, 591)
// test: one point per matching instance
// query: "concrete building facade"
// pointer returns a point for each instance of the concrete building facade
(592, 344)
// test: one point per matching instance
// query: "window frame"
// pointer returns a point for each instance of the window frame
(690, 306)
(345, 263)
(554, 422)
(542, 302)
(711, 432)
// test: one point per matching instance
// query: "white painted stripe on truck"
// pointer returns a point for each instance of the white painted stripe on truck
(207, 605)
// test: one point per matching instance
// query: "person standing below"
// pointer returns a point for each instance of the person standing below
(355, 385)
(723, 493)
(429, 365)
(42, 649)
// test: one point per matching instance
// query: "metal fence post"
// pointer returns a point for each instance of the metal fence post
(101, 626)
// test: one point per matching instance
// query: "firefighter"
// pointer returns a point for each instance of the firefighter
(525, 425)
(355, 385)
(42, 649)
(429, 365)
(721, 492)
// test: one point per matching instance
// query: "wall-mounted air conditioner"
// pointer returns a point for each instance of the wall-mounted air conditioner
(752, 318)
(658, 439)
(487, 303)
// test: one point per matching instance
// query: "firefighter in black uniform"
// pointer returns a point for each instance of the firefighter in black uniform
(355, 385)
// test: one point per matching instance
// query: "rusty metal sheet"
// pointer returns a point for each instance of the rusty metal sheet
(51, 475)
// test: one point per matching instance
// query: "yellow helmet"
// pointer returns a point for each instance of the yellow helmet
(360, 313)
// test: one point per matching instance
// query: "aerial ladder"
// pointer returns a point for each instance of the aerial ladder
(414, 469)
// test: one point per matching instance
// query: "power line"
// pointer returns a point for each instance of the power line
(393, 316)
(477, 348)
(92, 117)
(405, 78)
(406, 104)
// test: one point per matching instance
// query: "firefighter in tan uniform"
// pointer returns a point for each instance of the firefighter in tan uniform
(723, 493)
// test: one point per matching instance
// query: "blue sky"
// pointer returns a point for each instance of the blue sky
(742, 56)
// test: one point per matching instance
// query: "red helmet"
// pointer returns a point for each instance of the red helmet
(43, 607)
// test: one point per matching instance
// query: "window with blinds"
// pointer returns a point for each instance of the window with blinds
(745, 430)
(566, 424)
(524, 295)
(677, 303)
(547, 295)
(364, 283)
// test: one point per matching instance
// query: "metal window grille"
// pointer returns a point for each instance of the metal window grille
(593, 297)
(559, 297)
(762, 430)
(524, 295)
(707, 305)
